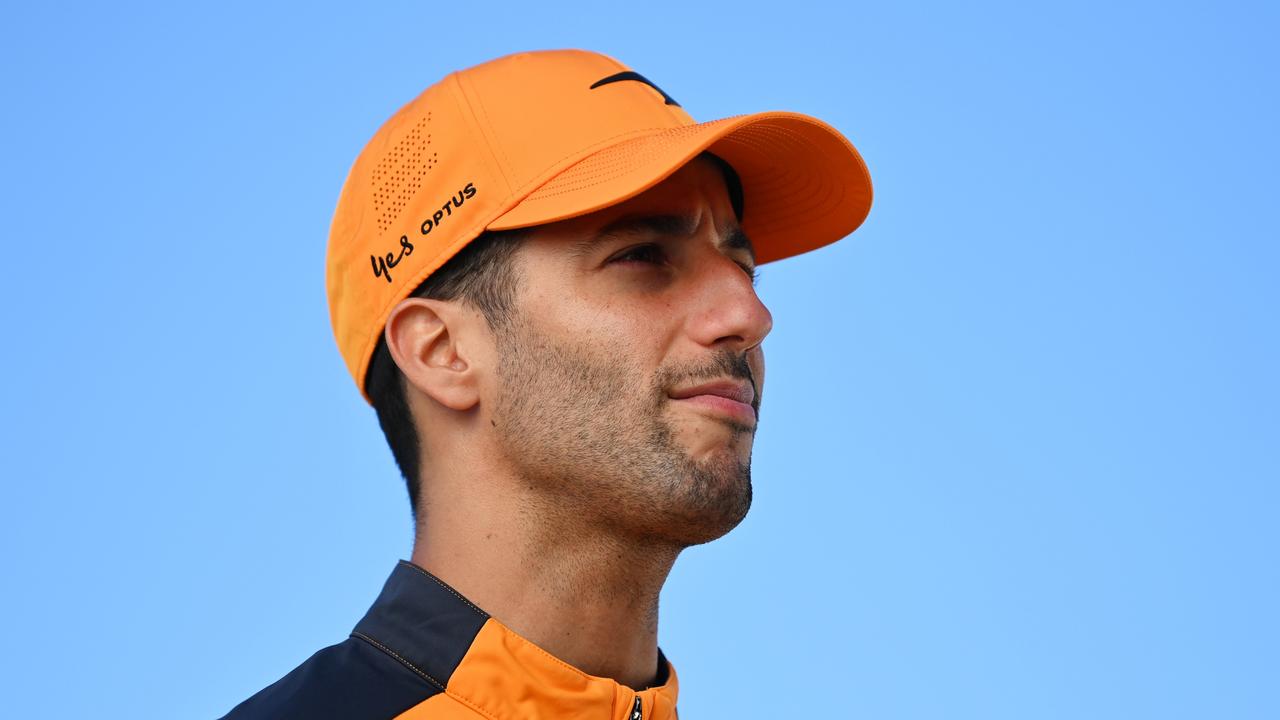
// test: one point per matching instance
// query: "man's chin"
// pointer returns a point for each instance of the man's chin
(715, 501)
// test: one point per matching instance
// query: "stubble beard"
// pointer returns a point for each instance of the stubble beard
(588, 435)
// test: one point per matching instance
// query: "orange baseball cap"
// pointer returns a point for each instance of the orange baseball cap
(536, 137)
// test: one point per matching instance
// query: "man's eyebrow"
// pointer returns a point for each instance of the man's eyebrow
(658, 225)
(635, 225)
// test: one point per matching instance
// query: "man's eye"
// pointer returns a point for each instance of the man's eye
(651, 254)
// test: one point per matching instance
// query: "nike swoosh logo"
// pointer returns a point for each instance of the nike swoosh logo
(630, 75)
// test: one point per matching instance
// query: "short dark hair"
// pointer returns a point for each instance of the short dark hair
(482, 275)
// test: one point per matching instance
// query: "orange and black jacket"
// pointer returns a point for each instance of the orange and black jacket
(424, 652)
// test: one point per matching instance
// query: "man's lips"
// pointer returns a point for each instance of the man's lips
(723, 396)
(740, 391)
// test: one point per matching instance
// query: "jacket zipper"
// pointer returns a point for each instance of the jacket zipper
(636, 713)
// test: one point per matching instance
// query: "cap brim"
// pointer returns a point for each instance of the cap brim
(804, 184)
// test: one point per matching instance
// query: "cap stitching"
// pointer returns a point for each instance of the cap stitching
(577, 188)
(478, 102)
(487, 134)
(599, 169)
(598, 147)
(601, 147)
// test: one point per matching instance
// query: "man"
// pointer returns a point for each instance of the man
(541, 275)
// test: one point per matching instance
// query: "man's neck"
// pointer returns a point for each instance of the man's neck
(587, 597)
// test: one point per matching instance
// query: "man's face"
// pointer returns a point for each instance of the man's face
(632, 325)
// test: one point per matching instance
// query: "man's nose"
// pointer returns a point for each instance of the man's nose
(729, 313)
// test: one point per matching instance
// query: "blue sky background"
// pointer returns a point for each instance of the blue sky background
(1020, 447)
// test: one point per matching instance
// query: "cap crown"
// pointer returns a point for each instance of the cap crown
(459, 156)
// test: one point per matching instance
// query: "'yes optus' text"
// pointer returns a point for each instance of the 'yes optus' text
(382, 264)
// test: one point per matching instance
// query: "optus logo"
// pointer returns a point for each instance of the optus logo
(382, 264)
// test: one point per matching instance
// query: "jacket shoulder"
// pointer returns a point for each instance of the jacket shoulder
(352, 680)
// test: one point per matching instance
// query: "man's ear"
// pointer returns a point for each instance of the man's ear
(429, 341)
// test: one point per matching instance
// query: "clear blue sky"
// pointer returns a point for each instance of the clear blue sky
(1020, 449)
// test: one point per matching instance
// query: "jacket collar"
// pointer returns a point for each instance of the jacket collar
(457, 647)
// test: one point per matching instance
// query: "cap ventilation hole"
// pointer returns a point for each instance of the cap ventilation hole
(398, 176)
